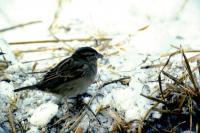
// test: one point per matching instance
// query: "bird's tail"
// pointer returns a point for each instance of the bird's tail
(32, 87)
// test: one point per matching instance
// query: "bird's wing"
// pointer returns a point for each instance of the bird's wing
(65, 71)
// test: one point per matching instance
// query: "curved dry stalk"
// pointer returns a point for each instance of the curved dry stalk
(44, 59)
(19, 25)
(184, 76)
(188, 68)
(179, 51)
(61, 40)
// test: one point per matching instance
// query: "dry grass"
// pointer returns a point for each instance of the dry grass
(181, 100)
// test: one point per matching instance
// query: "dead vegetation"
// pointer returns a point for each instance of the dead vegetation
(180, 99)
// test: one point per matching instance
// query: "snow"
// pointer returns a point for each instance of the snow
(126, 100)
(188, 131)
(33, 130)
(5, 47)
(169, 22)
(30, 81)
(6, 96)
(18, 67)
(43, 114)
(6, 90)
(4, 130)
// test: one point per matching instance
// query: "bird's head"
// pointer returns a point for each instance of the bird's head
(87, 53)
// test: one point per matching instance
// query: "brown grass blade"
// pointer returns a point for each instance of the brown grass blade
(184, 76)
(172, 78)
(160, 87)
(19, 25)
(153, 99)
(61, 40)
(190, 111)
(177, 112)
(188, 68)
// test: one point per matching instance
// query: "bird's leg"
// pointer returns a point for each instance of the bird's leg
(79, 104)
(66, 105)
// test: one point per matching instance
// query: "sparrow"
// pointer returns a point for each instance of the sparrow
(72, 76)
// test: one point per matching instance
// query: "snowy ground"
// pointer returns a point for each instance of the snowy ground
(138, 28)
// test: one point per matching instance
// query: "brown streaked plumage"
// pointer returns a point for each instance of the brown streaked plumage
(72, 76)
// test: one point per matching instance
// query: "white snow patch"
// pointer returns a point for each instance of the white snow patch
(86, 100)
(128, 101)
(43, 114)
(156, 115)
(6, 89)
(30, 81)
(18, 67)
(33, 130)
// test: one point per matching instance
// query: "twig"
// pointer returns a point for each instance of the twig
(119, 123)
(82, 114)
(10, 119)
(54, 25)
(198, 64)
(3, 66)
(176, 112)
(182, 7)
(58, 121)
(40, 50)
(190, 72)
(179, 51)
(114, 81)
(179, 125)
(56, 14)
(19, 25)
(167, 62)
(148, 111)
(61, 40)
(155, 129)
(184, 76)
(155, 65)
(185, 87)
(190, 111)
(153, 99)
(160, 87)
(43, 59)
(194, 58)
(93, 114)
(177, 81)
(144, 28)
(181, 101)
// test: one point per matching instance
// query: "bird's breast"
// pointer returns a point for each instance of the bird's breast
(75, 87)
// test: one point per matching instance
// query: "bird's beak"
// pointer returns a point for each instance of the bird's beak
(99, 55)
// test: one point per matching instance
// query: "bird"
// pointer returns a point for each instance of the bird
(72, 76)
